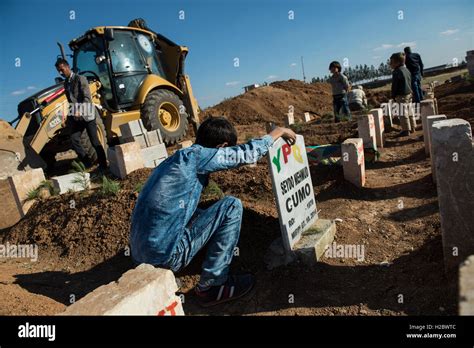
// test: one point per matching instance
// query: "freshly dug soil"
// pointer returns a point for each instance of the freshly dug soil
(395, 217)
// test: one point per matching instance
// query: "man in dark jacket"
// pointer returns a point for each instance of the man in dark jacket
(402, 93)
(414, 64)
(82, 114)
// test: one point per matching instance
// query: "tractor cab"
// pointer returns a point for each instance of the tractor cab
(120, 58)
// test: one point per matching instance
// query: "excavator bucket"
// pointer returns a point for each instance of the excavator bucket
(15, 156)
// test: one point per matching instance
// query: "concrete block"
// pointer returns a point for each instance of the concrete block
(145, 290)
(466, 287)
(65, 183)
(387, 114)
(154, 153)
(429, 121)
(154, 137)
(14, 192)
(290, 119)
(125, 158)
(146, 139)
(353, 163)
(453, 150)
(308, 250)
(315, 240)
(307, 117)
(366, 130)
(379, 126)
(427, 108)
(24, 182)
(185, 144)
(132, 128)
(10, 212)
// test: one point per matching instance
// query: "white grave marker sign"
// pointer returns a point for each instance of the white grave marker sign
(293, 189)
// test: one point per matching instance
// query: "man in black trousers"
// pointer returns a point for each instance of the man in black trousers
(82, 114)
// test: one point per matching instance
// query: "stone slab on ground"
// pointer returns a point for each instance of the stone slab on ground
(124, 159)
(66, 183)
(145, 290)
(146, 139)
(427, 108)
(366, 130)
(353, 162)
(14, 192)
(154, 155)
(466, 287)
(429, 121)
(309, 249)
(10, 213)
(454, 166)
(379, 126)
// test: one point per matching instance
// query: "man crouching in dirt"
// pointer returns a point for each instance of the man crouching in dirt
(168, 229)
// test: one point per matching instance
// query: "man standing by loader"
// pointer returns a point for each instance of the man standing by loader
(82, 114)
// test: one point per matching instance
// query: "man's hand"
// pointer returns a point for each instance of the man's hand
(285, 133)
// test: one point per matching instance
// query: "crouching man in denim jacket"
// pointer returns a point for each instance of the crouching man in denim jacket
(168, 229)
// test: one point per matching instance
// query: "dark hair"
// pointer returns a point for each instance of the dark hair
(398, 57)
(61, 61)
(407, 50)
(215, 131)
(335, 64)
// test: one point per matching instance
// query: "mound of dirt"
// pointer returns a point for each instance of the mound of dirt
(374, 99)
(456, 100)
(79, 231)
(271, 103)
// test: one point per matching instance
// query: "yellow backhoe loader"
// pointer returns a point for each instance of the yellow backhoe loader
(133, 73)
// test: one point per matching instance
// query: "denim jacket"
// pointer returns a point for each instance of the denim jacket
(171, 195)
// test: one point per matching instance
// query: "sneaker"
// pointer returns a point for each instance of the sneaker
(235, 287)
(404, 134)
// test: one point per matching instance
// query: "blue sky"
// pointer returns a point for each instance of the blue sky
(259, 33)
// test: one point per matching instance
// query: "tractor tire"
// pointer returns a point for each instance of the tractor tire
(86, 142)
(161, 110)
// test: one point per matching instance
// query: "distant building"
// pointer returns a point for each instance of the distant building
(250, 87)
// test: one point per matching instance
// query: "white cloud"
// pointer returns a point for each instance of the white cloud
(376, 57)
(293, 64)
(456, 39)
(232, 83)
(271, 77)
(23, 90)
(383, 47)
(449, 32)
(400, 45)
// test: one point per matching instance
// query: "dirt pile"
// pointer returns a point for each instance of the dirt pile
(80, 230)
(270, 103)
(456, 100)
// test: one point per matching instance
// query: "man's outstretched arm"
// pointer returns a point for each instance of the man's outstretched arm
(215, 159)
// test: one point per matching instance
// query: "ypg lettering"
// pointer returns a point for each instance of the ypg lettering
(287, 151)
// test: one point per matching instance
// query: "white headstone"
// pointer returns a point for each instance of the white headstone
(293, 189)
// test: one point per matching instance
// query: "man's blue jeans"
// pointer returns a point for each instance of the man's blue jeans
(341, 107)
(217, 226)
(416, 87)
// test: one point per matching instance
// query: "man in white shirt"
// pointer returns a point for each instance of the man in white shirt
(357, 99)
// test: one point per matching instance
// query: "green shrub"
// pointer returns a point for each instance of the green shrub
(109, 187)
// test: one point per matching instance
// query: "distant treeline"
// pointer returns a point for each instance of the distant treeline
(364, 73)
